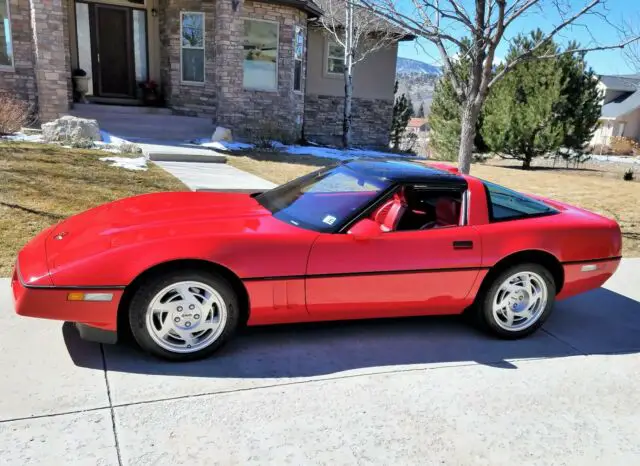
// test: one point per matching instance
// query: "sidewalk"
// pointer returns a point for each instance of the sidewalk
(215, 177)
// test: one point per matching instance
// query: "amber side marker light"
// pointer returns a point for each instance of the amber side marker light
(76, 296)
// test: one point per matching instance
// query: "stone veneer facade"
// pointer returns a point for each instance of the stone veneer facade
(371, 120)
(41, 74)
(222, 95)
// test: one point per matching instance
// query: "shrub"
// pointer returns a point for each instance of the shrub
(14, 114)
(624, 146)
(628, 175)
(270, 132)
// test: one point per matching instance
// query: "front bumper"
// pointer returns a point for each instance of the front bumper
(50, 302)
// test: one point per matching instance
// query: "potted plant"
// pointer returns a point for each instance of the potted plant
(80, 84)
(150, 92)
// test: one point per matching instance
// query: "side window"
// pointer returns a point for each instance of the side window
(505, 204)
(420, 208)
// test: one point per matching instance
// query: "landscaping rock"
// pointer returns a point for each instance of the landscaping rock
(77, 132)
(222, 134)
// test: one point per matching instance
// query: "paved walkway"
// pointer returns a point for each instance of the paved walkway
(215, 177)
(417, 391)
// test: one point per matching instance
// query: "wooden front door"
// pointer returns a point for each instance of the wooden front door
(113, 60)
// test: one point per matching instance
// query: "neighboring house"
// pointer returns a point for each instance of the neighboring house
(419, 126)
(246, 64)
(620, 108)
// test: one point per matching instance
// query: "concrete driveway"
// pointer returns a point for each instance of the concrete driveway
(417, 391)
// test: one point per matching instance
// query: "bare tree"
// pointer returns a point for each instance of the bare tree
(632, 52)
(358, 33)
(446, 23)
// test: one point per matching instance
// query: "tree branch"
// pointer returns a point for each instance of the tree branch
(528, 56)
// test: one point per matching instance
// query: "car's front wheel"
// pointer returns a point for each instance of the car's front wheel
(518, 301)
(183, 315)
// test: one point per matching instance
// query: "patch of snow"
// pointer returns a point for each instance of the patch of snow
(615, 159)
(138, 163)
(21, 137)
(338, 154)
(227, 145)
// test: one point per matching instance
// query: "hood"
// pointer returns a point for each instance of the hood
(155, 216)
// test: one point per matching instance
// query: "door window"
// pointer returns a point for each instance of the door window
(420, 208)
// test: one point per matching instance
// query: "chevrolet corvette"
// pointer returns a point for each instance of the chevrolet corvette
(362, 239)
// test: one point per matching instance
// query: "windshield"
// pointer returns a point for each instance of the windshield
(505, 204)
(324, 200)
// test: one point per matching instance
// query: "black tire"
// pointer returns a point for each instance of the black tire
(484, 306)
(154, 285)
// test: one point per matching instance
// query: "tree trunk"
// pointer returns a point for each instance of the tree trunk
(526, 162)
(467, 135)
(346, 120)
(348, 75)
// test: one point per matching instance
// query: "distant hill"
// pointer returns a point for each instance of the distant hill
(408, 65)
(417, 79)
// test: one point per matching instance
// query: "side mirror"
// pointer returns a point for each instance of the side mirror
(365, 229)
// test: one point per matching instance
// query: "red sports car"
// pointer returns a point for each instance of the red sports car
(362, 239)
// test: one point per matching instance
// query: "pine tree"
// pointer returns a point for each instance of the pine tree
(541, 105)
(421, 110)
(446, 113)
(402, 113)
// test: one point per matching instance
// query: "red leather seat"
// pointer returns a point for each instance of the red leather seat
(447, 212)
(389, 214)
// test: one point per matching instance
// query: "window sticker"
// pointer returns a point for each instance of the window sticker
(329, 219)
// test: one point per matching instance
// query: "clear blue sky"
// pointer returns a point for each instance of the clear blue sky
(589, 31)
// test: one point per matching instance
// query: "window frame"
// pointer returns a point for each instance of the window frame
(277, 86)
(493, 219)
(203, 48)
(12, 66)
(302, 30)
(331, 74)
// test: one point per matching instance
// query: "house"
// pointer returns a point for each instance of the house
(620, 108)
(245, 64)
(418, 126)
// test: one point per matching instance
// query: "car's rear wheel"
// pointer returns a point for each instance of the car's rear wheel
(183, 315)
(518, 301)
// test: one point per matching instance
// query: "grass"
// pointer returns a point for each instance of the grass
(41, 185)
(613, 198)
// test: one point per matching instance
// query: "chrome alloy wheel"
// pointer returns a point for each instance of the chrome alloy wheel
(520, 301)
(186, 317)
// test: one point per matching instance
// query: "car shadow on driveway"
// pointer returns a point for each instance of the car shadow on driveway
(598, 322)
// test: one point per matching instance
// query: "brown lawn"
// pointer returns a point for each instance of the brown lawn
(41, 185)
(611, 197)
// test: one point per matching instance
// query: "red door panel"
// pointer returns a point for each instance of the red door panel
(397, 273)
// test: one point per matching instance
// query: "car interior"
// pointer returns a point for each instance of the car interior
(412, 208)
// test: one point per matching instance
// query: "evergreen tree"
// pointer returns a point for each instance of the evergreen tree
(541, 105)
(402, 113)
(446, 114)
(421, 110)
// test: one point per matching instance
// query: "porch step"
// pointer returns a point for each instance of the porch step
(128, 109)
(141, 127)
(180, 153)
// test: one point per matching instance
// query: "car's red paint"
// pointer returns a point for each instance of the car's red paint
(292, 274)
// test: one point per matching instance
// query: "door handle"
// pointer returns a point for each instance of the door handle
(463, 244)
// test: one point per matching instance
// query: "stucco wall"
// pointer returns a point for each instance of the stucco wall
(632, 127)
(373, 78)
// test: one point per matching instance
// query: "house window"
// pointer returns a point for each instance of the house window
(192, 47)
(298, 54)
(335, 57)
(6, 48)
(260, 67)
